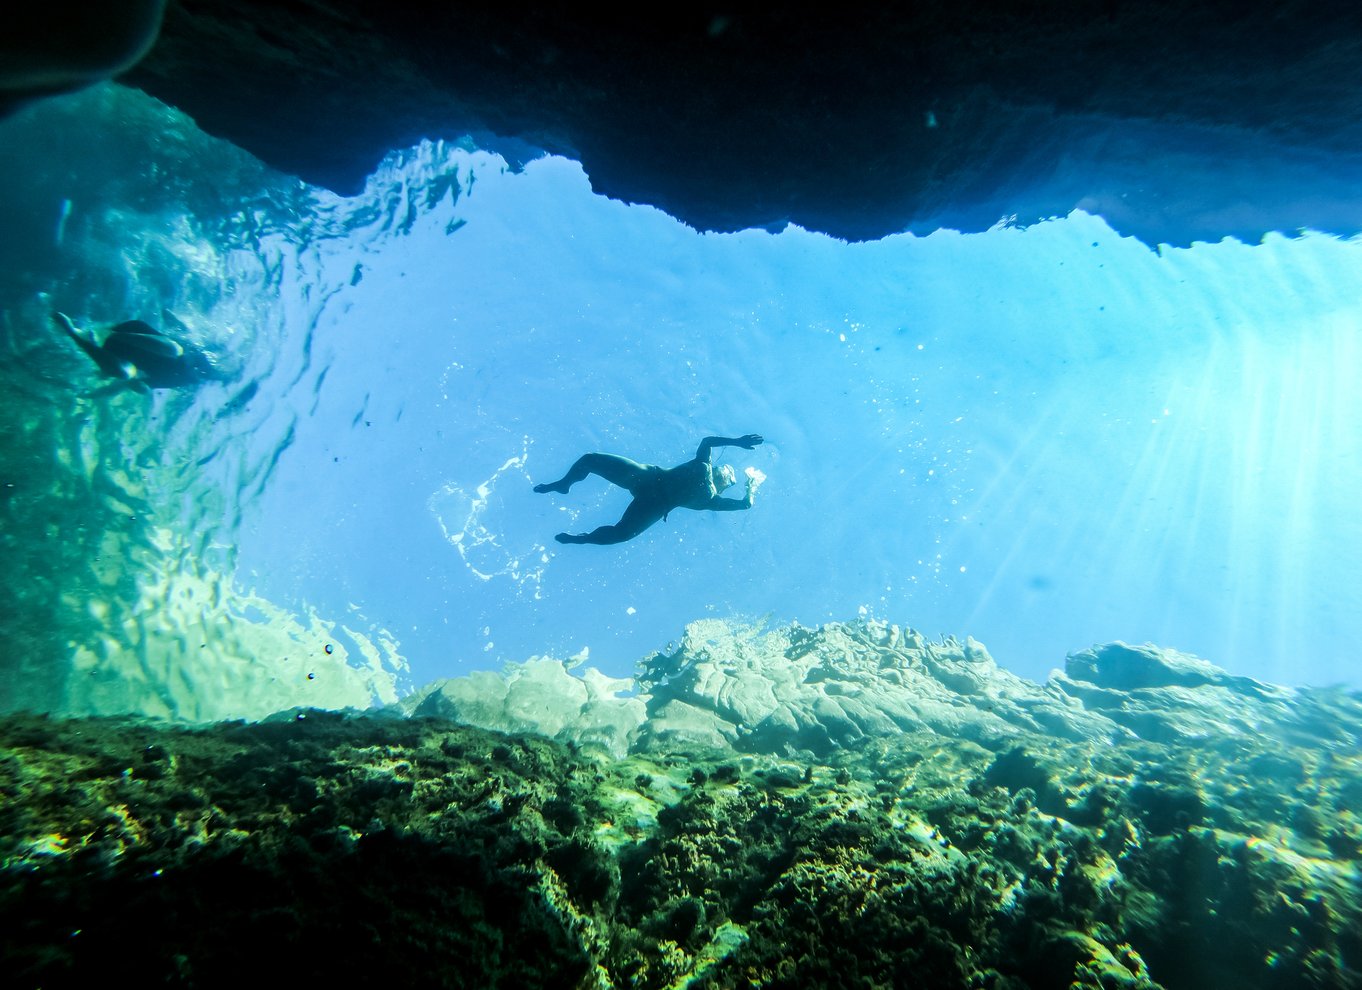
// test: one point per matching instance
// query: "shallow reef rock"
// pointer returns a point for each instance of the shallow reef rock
(847, 806)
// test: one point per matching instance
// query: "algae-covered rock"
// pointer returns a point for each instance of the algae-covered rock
(355, 852)
(850, 807)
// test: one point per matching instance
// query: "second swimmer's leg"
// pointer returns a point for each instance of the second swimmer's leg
(613, 468)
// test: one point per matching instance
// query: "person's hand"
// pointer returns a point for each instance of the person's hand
(754, 480)
(749, 441)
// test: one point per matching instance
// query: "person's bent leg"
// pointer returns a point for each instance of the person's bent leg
(613, 468)
(635, 520)
(601, 536)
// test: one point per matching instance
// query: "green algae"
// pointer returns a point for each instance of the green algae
(420, 852)
(846, 806)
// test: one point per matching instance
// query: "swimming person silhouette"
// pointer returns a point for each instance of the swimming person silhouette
(695, 484)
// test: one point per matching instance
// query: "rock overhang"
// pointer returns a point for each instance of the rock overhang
(1175, 122)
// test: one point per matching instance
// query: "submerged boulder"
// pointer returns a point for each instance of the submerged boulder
(1163, 695)
(1130, 668)
(541, 697)
(838, 685)
(729, 687)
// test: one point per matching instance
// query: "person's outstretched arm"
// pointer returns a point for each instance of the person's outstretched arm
(709, 443)
(721, 504)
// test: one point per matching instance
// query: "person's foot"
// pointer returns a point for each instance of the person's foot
(557, 486)
(570, 538)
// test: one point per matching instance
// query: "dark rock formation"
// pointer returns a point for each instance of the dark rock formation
(1175, 121)
(61, 45)
(856, 121)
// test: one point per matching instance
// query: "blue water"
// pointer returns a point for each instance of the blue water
(1044, 438)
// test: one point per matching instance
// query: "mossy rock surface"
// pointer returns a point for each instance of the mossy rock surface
(423, 853)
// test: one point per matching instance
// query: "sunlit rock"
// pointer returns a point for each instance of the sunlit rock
(1161, 694)
(540, 697)
(837, 685)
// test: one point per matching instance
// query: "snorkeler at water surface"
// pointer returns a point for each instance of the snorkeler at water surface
(695, 484)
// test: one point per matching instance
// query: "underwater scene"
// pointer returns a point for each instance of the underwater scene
(479, 582)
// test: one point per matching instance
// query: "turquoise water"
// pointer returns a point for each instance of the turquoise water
(815, 743)
(1043, 438)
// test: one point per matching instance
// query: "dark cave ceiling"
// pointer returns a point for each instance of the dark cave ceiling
(1174, 120)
